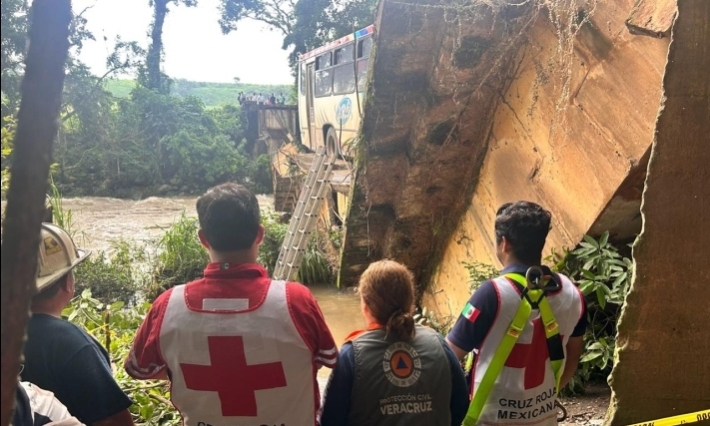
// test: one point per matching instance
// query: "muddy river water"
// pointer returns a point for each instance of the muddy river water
(101, 220)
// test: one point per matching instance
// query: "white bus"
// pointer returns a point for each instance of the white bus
(332, 82)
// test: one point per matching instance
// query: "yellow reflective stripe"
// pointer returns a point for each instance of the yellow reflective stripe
(548, 319)
(483, 391)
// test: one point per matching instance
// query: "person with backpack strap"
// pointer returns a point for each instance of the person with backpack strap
(524, 327)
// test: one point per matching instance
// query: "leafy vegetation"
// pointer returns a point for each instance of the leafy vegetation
(115, 325)
(112, 277)
(274, 235)
(604, 277)
(478, 273)
(181, 257)
(153, 143)
(315, 268)
(9, 125)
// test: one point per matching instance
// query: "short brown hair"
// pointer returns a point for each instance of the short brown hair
(387, 288)
(229, 217)
(51, 291)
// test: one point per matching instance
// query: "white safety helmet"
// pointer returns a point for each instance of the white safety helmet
(57, 255)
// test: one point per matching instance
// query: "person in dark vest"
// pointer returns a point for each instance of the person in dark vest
(394, 372)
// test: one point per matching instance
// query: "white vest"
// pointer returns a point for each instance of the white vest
(525, 396)
(244, 368)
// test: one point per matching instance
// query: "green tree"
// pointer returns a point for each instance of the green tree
(305, 24)
(8, 134)
(152, 77)
(13, 29)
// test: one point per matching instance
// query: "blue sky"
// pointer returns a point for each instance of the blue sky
(195, 48)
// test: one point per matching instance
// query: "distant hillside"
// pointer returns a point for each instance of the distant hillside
(212, 94)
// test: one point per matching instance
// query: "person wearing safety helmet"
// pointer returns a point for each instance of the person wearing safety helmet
(61, 357)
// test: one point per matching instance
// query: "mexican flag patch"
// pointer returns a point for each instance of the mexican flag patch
(470, 313)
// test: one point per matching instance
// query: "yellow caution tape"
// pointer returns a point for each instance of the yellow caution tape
(700, 416)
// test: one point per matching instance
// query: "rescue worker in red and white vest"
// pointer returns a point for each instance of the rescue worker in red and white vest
(239, 348)
(394, 373)
(525, 327)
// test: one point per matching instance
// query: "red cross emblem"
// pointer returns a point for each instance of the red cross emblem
(531, 356)
(229, 375)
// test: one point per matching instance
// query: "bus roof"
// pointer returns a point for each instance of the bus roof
(343, 40)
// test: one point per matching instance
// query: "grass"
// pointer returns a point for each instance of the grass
(181, 257)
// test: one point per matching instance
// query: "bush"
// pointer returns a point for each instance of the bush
(9, 125)
(259, 175)
(604, 277)
(112, 278)
(181, 257)
(115, 326)
(274, 235)
(478, 273)
(315, 266)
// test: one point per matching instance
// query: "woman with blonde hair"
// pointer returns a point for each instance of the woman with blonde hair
(394, 372)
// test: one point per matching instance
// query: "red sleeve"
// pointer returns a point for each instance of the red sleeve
(309, 321)
(145, 361)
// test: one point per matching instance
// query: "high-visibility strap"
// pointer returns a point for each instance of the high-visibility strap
(552, 329)
(509, 340)
(484, 389)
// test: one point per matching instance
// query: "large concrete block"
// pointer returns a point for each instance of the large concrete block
(663, 342)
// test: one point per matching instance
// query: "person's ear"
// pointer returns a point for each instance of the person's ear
(68, 284)
(260, 232)
(203, 239)
(506, 247)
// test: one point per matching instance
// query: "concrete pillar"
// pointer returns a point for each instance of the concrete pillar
(663, 342)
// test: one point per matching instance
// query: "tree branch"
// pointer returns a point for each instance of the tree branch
(36, 130)
(96, 85)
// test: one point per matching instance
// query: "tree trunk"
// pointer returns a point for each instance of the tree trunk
(36, 130)
(155, 52)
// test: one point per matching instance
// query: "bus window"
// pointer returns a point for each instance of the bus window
(344, 79)
(344, 54)
(362, 66)
(323, 61)
(303, 79)
(364, 46)
(324, 83)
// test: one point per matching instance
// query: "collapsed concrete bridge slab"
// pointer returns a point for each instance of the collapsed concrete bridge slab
(471, 107)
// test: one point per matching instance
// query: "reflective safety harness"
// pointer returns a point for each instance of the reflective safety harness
(533, 297)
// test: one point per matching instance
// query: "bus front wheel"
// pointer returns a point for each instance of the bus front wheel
(332, 146)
